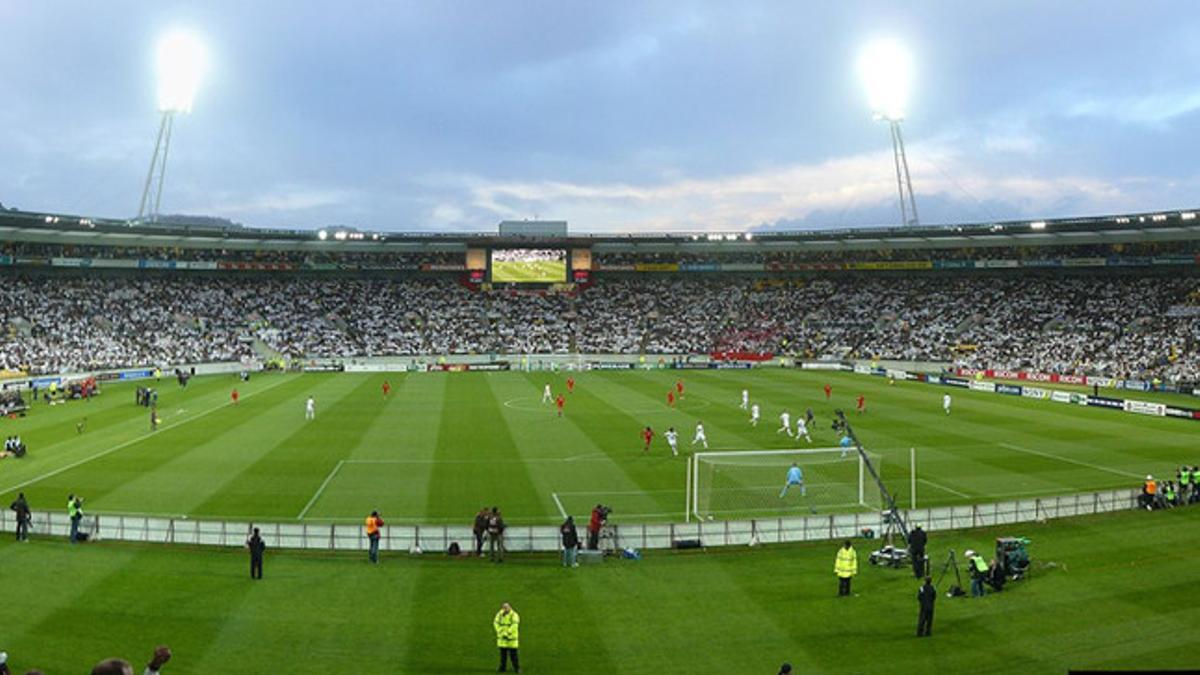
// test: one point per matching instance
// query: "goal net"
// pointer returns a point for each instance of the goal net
(751, 483)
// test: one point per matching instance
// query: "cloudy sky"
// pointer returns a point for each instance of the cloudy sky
(674, 115)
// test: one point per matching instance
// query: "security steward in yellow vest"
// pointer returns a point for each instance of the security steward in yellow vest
(508, 627)
(845, 567)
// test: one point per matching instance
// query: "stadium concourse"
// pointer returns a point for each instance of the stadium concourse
(1123, 326)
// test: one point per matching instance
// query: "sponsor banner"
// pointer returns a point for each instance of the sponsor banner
(323, 267)
(323, 368)
(376, 368)
(502, 365)
(977, 385)
(955, 382)
(741, 267)
(1145, 408)
(1104, 402)
(455, 367)
(953, 264)
(613, 268)
(1004, 374)
(1008, 389)
(699, 267)
(804, 267)
(1084, 262)
(16, 384)
(727, 365)
(1185, 413)
(822, 365)
(156, 264)
(897, 265)
(1062, 397)
(1034, 392)
(683, 365)
(1130, 261)
(255, 266)
(442, 267)
(1174, 260)
(969, 372)
(897, 374)
(1102, 381)
(135, 374)
(742, 356)
(1042, 262)
(997, 263)
(862, 369)
(611, 365)
(71, 262)
(656, 267)
(1136, 385)
(930, 378)
(878, 372)
(1069, 379)
(1037, 377)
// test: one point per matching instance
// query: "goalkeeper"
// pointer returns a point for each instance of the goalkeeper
(794, 477)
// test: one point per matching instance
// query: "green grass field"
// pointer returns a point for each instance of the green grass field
(444, 444)
(1120, 591)
(1105, 592)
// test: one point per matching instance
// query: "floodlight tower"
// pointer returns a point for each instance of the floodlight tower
(886, 69)
(181, 62)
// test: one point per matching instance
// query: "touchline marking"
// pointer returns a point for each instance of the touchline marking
(561, 510)
(943, 487)
(132, 441)
(337, 467)
(1060, 458)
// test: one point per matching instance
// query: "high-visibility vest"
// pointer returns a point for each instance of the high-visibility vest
(372, 526)
(1185, 477)
(1151, 487)
(846, 564)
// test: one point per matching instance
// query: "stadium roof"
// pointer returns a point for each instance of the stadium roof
(1172, 225)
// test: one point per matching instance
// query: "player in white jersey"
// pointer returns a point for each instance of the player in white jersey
(785, 423)
(802, 429)
(946, 403)
(672, 437)
(745, 399)
(700, 437)
(310, 409)
(546, 396)
(754, 415)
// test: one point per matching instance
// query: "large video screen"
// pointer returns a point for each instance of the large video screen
(529, 266)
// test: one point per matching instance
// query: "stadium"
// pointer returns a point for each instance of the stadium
(408, 421)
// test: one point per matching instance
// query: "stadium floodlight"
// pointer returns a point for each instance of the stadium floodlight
(1038, 225)
(322, 235)
(181, 62)
(886, 71)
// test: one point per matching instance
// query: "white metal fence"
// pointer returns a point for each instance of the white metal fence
(347, 537)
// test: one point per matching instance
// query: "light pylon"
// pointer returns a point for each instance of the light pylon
(908, 203)
(158, 161)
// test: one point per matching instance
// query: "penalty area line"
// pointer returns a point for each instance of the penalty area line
(558, 503)
(328, 479)
(132, 441)
(943, 488)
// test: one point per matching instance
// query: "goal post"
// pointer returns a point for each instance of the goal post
(754, 483)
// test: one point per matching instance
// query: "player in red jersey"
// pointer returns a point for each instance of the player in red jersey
(647, 436)
(570, 385)
(387, 388)
(862, 404)
(234, 396)
(671, 399)
(828, 391)
(559, 403)
(679, 388)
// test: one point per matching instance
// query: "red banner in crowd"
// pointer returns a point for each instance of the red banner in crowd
(742, 356)
(1021, 375)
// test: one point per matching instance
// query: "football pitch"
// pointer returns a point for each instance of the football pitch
(533, 271)
(442, 445)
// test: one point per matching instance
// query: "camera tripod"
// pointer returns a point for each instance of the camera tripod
(951, 563)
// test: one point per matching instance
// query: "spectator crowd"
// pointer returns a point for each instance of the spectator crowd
(1112, 325)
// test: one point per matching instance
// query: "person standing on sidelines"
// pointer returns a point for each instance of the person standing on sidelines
(75, 513)
(916, 550)
(480, 528)
(256, 545)
(21, 508)
(570, 542)
(926, 596)
(495, 531)
(374, 525)
(508, 628)
(845, 567)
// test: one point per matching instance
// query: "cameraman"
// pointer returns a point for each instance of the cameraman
(599, 515)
